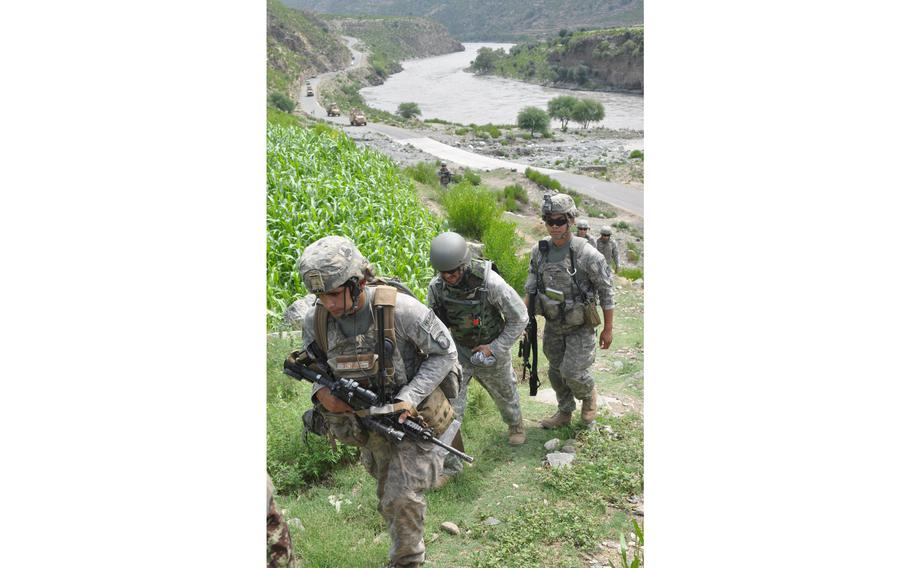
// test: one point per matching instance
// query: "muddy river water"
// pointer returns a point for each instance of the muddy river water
(442, 89)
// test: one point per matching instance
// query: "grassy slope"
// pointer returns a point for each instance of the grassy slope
(506, 20)
(487, 488)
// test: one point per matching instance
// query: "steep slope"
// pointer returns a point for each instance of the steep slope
(504, 20)
(299, 44)
(599, 59)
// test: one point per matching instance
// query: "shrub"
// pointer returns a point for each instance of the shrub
(632, 273)
(636, 154)
(408, 110)
(281, 101)
(470, 209)
(471, 176)
(632, 255)
(461, 131)
(516, 191)
(424, 172)
(620, 225)
(543, 180)
(489, 129)
(501, 244)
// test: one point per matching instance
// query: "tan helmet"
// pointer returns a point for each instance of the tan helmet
(330, 262)
(558, 203)
(606, 231)
(583, 224)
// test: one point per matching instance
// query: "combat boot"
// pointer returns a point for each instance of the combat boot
(557, 420)
(517, 434)
(589, 407)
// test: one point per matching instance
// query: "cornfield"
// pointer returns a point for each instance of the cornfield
(320, 183)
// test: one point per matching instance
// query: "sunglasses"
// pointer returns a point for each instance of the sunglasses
(449, 272)
(557, 222)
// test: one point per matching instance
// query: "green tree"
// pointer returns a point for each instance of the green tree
(560, 108)
(408, 110)
(534, 119)
(485, 60)
(586, 111)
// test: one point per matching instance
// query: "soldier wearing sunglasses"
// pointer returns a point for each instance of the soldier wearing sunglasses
(565, 279)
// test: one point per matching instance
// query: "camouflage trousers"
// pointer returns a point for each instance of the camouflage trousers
(403, 471)
(279, 553)
(570, 353)
(498, 380)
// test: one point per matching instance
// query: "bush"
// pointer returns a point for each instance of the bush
(424, 172)
(632, 273)
(501, 244)
(281, 101)
(470, 209)
(461, 131)
(632, 255)
(471, 176)
(636, 155)
(516, 191)
(543, 180)
(621, 225)
(408, 110)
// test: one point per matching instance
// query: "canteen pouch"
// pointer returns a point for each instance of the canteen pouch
(592, 317)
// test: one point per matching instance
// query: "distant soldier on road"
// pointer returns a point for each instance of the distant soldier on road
(566, 276)
(445, 176)
(583, 228)
(607, 247)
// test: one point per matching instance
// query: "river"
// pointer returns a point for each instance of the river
(442, 89)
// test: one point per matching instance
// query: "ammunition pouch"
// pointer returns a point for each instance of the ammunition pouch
(592, 316)
(436, 411)
(569, 313)
(451, 385)
(343, 427)
(314, 423)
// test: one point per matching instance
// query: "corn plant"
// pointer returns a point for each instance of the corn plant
(320, 183)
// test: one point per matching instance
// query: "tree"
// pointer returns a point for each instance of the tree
(587, 110)
(560, 108)
(485, 60)
(534, 119)
(281, 101)
(408, 110)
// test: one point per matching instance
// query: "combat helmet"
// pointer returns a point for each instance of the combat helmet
(448, 251)
(558, 203)
(583, 224)
(606, 231)
(330, 262)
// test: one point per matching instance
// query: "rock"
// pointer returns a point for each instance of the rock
(633, 499)
(617, 365)
(639, 283)
(296, 523)
(611, 544)
(491, 521)
(567, 449)
(560, 459)
(552, 444)
(450, 528)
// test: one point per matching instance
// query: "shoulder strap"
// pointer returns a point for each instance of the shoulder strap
(386, 297)
(321, 323)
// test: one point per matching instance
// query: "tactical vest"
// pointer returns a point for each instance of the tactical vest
(465, 308)
(563, 276)
(357, 358)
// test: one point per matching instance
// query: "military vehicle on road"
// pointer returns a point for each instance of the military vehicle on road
(358, 118)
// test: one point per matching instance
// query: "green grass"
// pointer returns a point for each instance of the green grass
(424, 172)
(631, 273)
(470, 209)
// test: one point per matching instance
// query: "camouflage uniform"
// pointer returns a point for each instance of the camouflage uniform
(568, 342)
(423, 357)
(590, 239)
(497, 318)
(608, 249)
(279, 552)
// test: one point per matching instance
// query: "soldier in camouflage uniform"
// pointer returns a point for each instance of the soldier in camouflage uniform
(583, 231)
(486, 317)
(279, 552)
(423, 356)
(607, 247)
(567, 275)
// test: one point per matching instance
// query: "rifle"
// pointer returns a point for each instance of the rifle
(358, 397)
(527, 349)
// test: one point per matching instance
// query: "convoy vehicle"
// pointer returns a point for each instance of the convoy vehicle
(358, 118)
(309, 91)
(334, 110)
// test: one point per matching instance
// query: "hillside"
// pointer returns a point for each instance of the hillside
(504, 20)
(599, 59)
(299, 43)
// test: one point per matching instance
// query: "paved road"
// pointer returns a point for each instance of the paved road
(623, 197)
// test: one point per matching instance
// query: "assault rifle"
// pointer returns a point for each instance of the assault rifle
(358, 397)
(527, 349)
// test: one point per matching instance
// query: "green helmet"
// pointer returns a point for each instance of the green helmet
(583, 224)
(448, 251)
(606, 231)
(558, 203)
(330, 262)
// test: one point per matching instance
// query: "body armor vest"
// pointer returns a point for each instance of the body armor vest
(465, 309)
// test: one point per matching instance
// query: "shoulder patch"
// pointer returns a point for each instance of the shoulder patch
(431, 324)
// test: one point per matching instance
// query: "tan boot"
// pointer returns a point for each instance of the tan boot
(517, 435)
(589, 407)
(557, 420)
